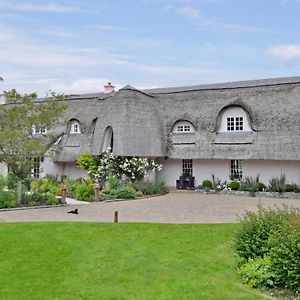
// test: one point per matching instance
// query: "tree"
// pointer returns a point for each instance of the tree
(20, 118)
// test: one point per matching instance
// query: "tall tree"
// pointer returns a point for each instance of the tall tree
(22, 118)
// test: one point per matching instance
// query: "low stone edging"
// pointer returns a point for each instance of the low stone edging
(31, 207)
(287, 195)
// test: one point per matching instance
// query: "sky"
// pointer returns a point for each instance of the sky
(78, 46)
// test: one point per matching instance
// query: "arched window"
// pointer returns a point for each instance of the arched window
(233, 119)
(183, 127)
(74, 127)
(108, 141)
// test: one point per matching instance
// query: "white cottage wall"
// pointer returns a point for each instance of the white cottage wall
(267, 169)
(203, 169)
(3, 169)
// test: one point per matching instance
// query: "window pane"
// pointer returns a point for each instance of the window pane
(236, 171)
(187, 166)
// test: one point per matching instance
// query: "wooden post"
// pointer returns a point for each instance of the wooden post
(63, 193)
(116, 218)
(97, 189)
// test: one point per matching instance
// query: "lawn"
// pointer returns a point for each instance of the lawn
(119, 261)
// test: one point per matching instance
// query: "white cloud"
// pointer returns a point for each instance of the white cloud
(107, 27)
(51, 7)
(202, 20)
(284, 52)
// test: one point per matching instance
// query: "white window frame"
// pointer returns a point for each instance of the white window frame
(37, 168)
(183, 127)
(234, 119)
(39, 130)
(236, 169)
(235, 123)
(187, 166)
(75, 127)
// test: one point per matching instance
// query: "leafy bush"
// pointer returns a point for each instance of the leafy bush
(257, 272)
(12, 181)
(277, 184)
(3, 182)
(8, 199)
(37, 198)
(112, 182)
(252, 185)
(234, 185)
(47, 184)
(84, 192)
(251, 239)
(290, 187)
(126, 193)
(273, 233)
(150, 188)
(71, 187)
(207, 183)
(284, 251)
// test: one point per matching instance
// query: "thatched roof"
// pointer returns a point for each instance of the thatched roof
(142, 121)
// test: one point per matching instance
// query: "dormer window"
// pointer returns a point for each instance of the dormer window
(75, 127)
(233, 119)
(183, 127)
(39, 130)
(235, 123)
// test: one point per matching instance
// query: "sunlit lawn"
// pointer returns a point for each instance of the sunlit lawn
(118, 261)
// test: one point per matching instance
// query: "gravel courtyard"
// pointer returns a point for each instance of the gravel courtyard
(175, 207)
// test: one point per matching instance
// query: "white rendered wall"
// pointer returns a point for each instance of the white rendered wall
(59, 169)
(49, 167)
(268, 169)
(233, 111)
(3, 169)
(203, 169)
(70, 170)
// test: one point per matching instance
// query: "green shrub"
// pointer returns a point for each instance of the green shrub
(51, 199)
(207, 183)
(277, 184)
(252, 185)
(12, 181)
(150, 188)
(84, 192)
(274, 233)
(234, 185)
(257, 272)
(251, 239)
(71, 187)
(37, 198)
(140, 186)
(284, 251)
(261, 186)
(3, 182)
(8, 199)
(126, 193)
(112, 182)
(289, 187)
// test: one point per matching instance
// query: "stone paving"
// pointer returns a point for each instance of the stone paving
(175, 207)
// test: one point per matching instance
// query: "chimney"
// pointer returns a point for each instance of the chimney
(109, 88)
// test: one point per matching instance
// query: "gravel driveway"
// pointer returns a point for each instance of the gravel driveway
(175, 207)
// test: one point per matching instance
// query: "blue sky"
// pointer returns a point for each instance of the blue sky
(77, 46)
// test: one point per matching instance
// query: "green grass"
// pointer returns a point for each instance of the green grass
(119, 261)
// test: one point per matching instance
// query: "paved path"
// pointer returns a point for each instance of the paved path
(171, 208)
